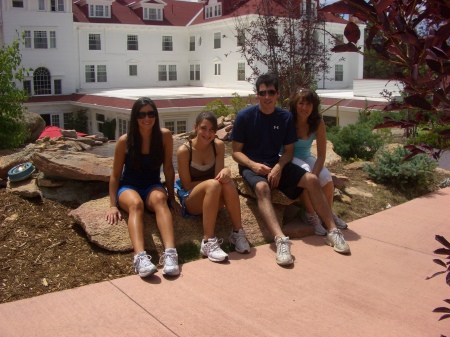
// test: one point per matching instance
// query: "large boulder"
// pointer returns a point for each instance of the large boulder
(35, 123)
(74, 165)
(92, 218)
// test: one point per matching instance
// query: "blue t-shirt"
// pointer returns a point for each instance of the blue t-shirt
(263, 135)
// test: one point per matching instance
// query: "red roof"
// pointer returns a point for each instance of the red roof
(176, 13)
(180, 13)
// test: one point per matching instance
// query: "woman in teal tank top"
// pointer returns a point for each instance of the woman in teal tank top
(309, 125)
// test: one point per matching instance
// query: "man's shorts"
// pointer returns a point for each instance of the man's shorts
(290, 177)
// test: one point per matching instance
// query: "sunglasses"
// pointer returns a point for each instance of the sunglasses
(263, 93)
(150, 114)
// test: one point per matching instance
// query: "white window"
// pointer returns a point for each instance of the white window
(167, 43)
(57, 5)
(99, 11)
(123, 126)
(17, 3)
(172, 72)
(100, 118)
(55, 120)
(52, 39)
(217, 69)
(90, 73)
(192, 43)
(41, 5)
(132, 42)
(57, 84)
(240, 38)
(40, 39)
(27, 39)
(167, 72)
(154, 14)
(101, 73)
(95, 42)
(27, 87)
(95, 73)
(42, 81)
(217, 40)
(338, 72)
(241, 71)
(67, 116)
(339, 39)
(194, 72)
(162, 73)
(176, 126)
(213, 11)
(308, 8)
(132, 69)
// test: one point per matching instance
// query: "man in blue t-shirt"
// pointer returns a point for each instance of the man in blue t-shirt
(258, 134)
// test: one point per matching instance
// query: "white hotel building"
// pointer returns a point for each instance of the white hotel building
(184, 54)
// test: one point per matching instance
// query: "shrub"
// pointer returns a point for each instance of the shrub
(13, 132)
(390, 168)
(78, 120)
(355, 141)
(109, 129)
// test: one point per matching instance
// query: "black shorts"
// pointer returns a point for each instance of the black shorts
(290, 177)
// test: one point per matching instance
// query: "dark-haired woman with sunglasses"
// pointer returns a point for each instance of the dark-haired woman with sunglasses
(135, 185)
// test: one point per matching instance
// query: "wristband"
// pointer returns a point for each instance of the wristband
(112, 206)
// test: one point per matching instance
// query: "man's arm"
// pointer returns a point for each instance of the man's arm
(242, 159)
(275, 174)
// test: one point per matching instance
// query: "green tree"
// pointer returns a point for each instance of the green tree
(13, 132)
(78, 120)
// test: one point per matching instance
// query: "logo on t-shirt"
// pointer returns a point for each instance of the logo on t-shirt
(276, 127)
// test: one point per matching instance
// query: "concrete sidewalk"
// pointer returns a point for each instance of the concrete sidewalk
(379, 290)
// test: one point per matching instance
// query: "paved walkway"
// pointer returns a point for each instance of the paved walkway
(379, 290)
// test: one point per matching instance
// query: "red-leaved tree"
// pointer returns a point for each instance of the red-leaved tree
(412, 35)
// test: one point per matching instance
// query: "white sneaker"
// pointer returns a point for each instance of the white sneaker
(284, 256)
(336, 239)
(212, 250)
(170, 262)
(339, 222)
(143, 266)
(239, 241)
(314, 220)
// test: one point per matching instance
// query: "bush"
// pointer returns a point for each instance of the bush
(355, 141)
(109, 129)
(78, 120)
(13, 132)
(390, 168)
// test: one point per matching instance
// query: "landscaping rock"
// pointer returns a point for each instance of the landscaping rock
(76, 166)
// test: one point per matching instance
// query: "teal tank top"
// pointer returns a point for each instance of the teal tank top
(302, 147)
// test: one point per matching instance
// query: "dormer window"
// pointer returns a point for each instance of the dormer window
(99, 11)
(213, 10)
(152, 10)
(154, 14)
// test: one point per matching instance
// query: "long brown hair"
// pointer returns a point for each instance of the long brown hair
(302, 94)
(134, 140)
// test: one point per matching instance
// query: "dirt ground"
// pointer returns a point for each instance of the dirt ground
(42, 250)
